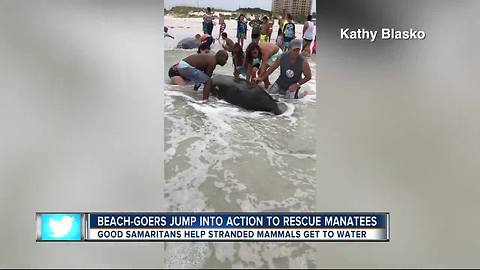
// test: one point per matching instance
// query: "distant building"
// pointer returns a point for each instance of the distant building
(294, 7)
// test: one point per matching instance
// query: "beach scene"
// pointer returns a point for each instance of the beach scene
(222, 157)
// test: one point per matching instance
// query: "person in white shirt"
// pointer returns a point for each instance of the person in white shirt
(308, 35)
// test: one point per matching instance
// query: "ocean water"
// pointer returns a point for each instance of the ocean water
(219, 157)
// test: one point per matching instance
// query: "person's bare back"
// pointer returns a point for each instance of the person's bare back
(205, 65)
(204, 62)
(268, 49)
(229, 44)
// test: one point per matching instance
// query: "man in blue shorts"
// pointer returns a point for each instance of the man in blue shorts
(197, 68)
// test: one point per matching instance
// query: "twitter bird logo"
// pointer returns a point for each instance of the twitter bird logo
(61, 227)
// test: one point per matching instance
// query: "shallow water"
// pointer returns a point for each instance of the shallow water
(220, 157)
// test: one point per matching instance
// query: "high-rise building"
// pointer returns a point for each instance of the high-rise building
(294, 7)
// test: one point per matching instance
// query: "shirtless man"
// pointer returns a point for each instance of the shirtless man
(228, 45)
(204, 39)
(197, 68)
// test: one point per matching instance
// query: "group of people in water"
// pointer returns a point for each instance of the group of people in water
(259, 60)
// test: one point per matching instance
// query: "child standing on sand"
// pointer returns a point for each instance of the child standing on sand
(241, 29)
(221, 23)
(165, 32)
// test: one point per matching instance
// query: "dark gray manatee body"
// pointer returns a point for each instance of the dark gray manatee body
(245, 94)
(187, 43)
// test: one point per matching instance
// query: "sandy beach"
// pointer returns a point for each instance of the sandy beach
(188, 27)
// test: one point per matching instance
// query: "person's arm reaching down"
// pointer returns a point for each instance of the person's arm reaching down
(208, 84)
(269, 71)
(307, 73)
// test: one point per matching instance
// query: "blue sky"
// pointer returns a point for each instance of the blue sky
(225, 4)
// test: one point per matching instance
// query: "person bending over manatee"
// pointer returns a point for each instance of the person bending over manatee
(205, 39)
(197, 68)
(238, 58)
(192, 43)
(260, 57)
(228, 43)
(292, 66)
(239, 67)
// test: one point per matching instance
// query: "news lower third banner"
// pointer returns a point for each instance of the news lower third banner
(255, 226)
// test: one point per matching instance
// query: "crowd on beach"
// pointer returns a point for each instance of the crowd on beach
(257, 62)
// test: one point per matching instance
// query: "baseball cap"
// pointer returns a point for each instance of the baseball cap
(296, 44)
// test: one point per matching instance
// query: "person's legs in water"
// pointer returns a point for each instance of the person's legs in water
(178, 80)
(195, 75)
(274, 91)
(175, 77)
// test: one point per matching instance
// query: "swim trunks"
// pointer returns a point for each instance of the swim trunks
(274, 57)
(209, 40)
(173, 71)
(241, 35)
(275, 91)
(263, 38)
(189, 73)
